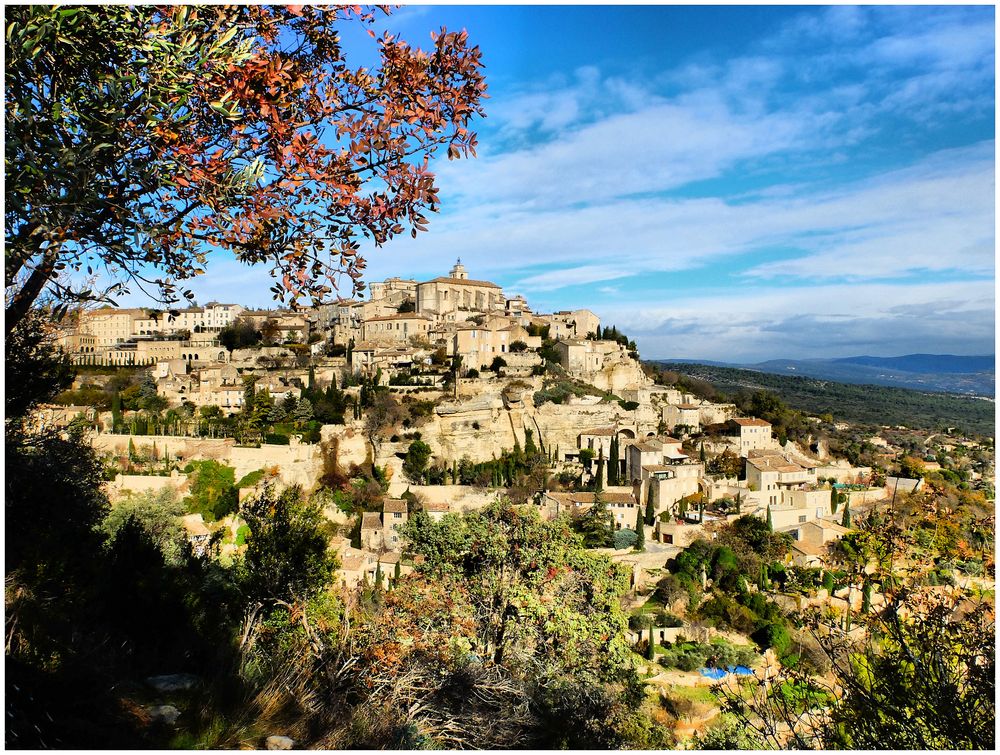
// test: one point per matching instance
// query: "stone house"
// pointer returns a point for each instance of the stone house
(394, 518)
(688, 415)
(395, 329)
(651, 451)
(437, 511)
(357, 567)
(372, 532)
(621, 505)
(751, 434)
(772, 472)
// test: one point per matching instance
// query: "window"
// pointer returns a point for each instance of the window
(802, 518)
(397, 515)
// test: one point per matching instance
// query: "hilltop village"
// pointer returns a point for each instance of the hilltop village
(432, 399)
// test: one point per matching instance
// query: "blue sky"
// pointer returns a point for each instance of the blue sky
(730, 183)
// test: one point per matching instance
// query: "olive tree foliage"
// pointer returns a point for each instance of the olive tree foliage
(140, 138)
(536, 594)
(158, 513)
(921, 674)
(286, 558)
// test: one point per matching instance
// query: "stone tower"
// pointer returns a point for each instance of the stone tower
(458, 271)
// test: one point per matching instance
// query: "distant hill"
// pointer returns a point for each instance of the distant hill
(941, 373)
(857, 404)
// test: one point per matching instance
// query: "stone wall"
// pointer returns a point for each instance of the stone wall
(298, 463)
(145, 483)
(461, 498)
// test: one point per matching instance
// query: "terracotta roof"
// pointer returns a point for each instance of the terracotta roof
(390, 557)
(751, 422)
(394, 506)
(656, 468)
(826, 524)
(370, 520)
(462, 281)
(648, 446)
(599, 431)
(774, 463)
(437, 507)
(352, 563)
(808, 549)
(688, 406)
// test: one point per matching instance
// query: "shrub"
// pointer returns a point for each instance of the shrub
(774, 636)
(625, 538)
(276, 439)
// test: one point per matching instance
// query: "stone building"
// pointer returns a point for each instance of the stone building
(458, 293)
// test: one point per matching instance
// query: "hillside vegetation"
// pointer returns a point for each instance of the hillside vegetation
(857, 404)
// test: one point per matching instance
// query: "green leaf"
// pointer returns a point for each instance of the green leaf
(227, 36)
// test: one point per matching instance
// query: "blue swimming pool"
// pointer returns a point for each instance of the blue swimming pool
(719, 673)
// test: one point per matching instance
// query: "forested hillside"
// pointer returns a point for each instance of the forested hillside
(858, 404)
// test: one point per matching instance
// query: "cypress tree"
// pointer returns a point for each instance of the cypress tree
(701, 512)
(770, 521)
(613, 462)
(650, 510)
(311, 385)
(599, 480)
(640, 531)
(739, 497)
(116, 411)
(846, 519)
(866, 596)
(650, 653)
(701, 453)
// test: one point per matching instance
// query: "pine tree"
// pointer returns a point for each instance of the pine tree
(303, 411)
(846, 519)
(276, 414)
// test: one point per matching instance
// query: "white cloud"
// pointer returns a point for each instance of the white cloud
(837, 320)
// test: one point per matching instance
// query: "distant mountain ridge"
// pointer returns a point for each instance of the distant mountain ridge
(941, 373)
